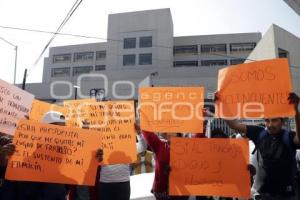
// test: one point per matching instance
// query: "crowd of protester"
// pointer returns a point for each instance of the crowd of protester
(273, 169)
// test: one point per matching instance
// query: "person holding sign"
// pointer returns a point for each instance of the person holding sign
(19, 190)
(161, 149)
(114, 181)
(40, 189)
(276, 148)
(57, 191)
(52, 190)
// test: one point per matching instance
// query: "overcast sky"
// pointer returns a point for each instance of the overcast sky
(190, 17)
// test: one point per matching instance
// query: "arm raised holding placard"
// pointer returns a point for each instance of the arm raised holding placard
(276, 149)
(233, 123)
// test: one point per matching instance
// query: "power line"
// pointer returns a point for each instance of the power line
(109, 39)
(1, 38)
(51, 32)
(66, 19)
(115, 40)
(73, 35)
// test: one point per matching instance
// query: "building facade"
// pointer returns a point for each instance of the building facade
(140, 44)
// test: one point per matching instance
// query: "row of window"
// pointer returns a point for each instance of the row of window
(147, 42)
(208, 48)
(195, 63)
(144, 59)
(65, 71)
(144, 42)
(79, 56)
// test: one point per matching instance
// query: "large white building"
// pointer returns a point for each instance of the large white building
(142, 43)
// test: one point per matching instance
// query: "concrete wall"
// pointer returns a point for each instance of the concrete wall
(48, 62)
(289, 42)
(215, 39)
(265, 49)
(155, 23)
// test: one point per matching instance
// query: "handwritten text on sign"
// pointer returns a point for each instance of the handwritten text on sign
(77, 111)
(55, 154)
(114, 122)
(172, 109)
(255, 90)
(14, 105)
(209, 167)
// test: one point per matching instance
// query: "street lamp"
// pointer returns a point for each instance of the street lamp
(16, 56)
(153, 74)
(76, 87)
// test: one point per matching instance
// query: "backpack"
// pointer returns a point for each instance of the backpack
(276, 166)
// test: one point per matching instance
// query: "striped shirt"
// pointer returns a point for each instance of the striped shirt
(120, 172)
(115, 173)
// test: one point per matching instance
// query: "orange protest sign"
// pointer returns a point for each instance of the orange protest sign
(39, 108)
(15, 104)
(209, 167)
(77, 111)
(255, 90)
(54, 154)
(114, 122)
(172, 109)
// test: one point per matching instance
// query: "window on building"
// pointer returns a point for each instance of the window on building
(99, 67)
(282, 53)
(62, 58)
(129, 43)
(129, 60)
(83, 56)
(60, 72)
(187, 49)
(237, 61)
(237, 47)
(207, 48)
(213, 62)
(82, 70)
(145, 41)
(100, 55)
(190, 63)
(145, 59)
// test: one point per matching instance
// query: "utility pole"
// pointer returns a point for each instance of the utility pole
(24, 79)
(76, 87)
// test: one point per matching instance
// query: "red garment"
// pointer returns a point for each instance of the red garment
(198, 135)
(161, 150)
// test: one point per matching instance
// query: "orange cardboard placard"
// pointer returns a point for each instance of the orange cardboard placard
(114, 123)
(172, 109)
(209, 167)
(53, 154)
(77, 111)
(255, 90)
(39, 108)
